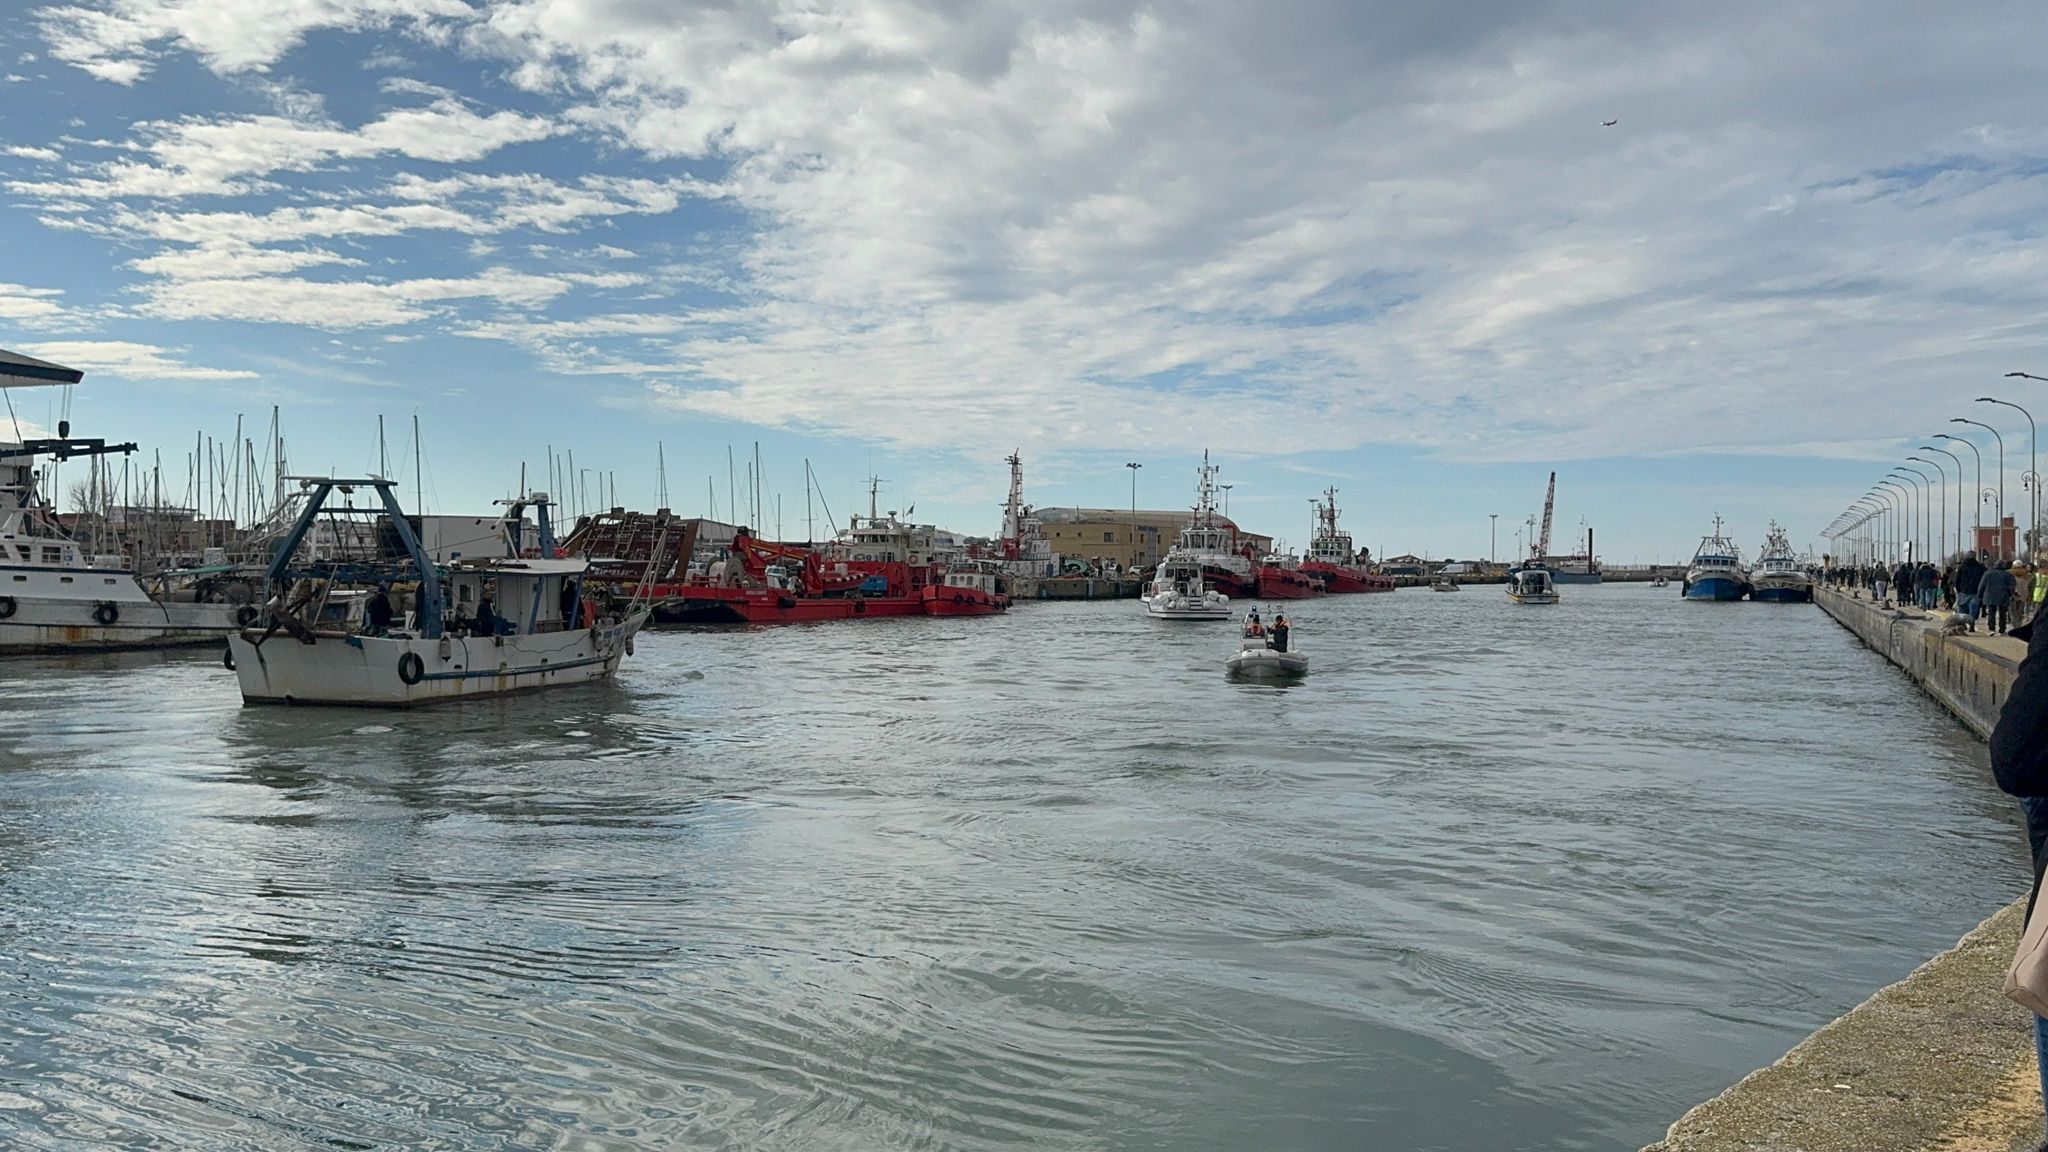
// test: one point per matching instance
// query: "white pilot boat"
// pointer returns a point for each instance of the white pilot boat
(1532, 584)
(484, 627)
(1178, 592)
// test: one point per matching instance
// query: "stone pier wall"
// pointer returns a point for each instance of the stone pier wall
(1969, 673)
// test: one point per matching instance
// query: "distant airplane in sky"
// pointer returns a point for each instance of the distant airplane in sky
(1609, 123)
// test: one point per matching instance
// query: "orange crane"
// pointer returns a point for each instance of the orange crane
(1542, 546)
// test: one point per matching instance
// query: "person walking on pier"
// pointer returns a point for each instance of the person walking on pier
(2019, 762)
(1902, 584)
(1969, 575)
(1994, 594)
(1878, 583)
(1927, 582)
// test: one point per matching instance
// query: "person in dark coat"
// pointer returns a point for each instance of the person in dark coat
(1969, 574)
(570, 602)
(1902, 584)
(1995, 593)
(1280, 626)
(1928, 581)
(486, 617)
(377, 612)
(2019, 762)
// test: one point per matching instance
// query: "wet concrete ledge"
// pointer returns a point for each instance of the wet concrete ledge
(1939, 1060)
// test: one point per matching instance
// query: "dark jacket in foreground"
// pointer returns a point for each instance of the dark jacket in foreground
(2019, 744)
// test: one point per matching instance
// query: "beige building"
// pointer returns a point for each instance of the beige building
(1125, 538)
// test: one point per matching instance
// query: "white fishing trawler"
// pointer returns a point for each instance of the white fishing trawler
(55, 594)
(1778, 576)
(486, 626)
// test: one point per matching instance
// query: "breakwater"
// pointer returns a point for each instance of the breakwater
(1939, 1059)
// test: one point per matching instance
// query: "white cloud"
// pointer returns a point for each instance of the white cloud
(116, 40)
(355, 304)
(127, 360)
(21, 302)
(28, 152)
(200, 156)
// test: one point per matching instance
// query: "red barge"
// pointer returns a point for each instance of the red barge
(879, 568)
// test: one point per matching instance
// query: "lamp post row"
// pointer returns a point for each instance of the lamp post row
(1903, 513)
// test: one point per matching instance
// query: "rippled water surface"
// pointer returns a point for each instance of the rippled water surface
(1491, 877)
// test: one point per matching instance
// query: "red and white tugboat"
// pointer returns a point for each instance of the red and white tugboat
(1210, 541)
(1027, 556)
(1281, 578)
(1332, 559)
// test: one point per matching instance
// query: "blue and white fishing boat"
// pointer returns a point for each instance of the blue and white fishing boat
(1778, 577)
(1716, 572)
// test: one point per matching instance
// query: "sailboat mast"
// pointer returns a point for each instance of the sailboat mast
(419, 476)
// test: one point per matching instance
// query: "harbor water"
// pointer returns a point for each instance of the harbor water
(1491, 877)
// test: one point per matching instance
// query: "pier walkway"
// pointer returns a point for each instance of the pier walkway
(1940, 1060)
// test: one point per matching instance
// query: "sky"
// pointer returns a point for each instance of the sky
(1385, 247)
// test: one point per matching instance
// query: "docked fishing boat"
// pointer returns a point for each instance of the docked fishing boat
(1280, 578)
(480, 627)
(1332, 559)
(1532, 584)
(1778, 577)
(56, 595)
(1716, 572)
(1178, 591)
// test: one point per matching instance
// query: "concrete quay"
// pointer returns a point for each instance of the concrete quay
(1939, 1060)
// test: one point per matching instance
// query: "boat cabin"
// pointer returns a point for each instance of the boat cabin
(975, 579)
(526, 596)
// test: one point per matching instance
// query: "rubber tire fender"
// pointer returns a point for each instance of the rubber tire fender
(227, 657)
(411, 669)
(107, 613)
(6, 607)
(860, 607)
(245, 615)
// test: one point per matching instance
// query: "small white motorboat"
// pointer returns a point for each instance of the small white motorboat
(1531, 584)
(1257, 658)
(1443, 584)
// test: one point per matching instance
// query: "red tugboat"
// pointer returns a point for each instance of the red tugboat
(1283, 578)
(1332, 559)
(968, 590)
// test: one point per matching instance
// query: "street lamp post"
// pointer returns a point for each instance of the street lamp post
(1892, 493)
(1226, 499)
(2033, 453)
(1492, 539)
(1959, 491)
(1880, 549)
(1906, 534)
(1998, 526)
(1925, 488)
(1941, 537)
(1134, 466)
(1977, 516)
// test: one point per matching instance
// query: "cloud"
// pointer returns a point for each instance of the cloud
(128, 360)
(21, 302)
(117, 40)
(27, 152)
(338, 305)
(201, 156)
(1137, 224)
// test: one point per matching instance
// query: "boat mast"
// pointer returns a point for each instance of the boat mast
(419, 480)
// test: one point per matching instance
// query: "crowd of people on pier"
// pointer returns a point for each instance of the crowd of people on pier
(1998, 594)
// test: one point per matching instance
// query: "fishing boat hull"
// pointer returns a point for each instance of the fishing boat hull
(1787, 593)
(1533, 597)
(946, 600)
(1287, 584)
(101, 610)
(1715, 588)
(404, 672)
(1339, 579)
(1261, 662)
